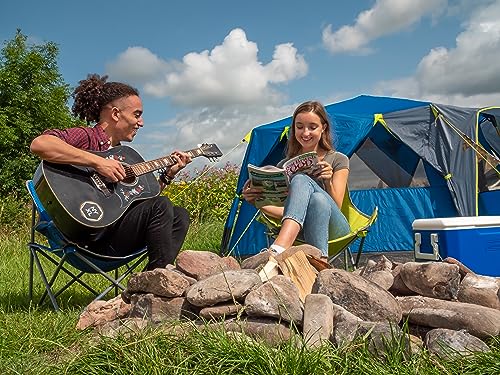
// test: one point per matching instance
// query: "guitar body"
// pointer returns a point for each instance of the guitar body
(82, 203)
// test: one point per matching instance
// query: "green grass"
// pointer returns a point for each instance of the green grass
(36, 340)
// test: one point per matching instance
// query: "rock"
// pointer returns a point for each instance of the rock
(357, 295)
(398, 287)
(416, 344)
(160, 282)
(379, 271)
(261, 329)
(190, 279)
(222, 287)
(379, 263)
(100, 312)
(432, 279)
(479, 321)
(221, 311)
(278, 298)
(159, 309)
(318, 320)
(381, 336)
(449, 344)
(464, 270)
(231, 263)
(383, 279)
(342, 315)
(201, 264)
(480, 290)
(126, 327)
(256, 261)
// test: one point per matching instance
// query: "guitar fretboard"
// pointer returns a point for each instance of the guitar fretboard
(139, 169)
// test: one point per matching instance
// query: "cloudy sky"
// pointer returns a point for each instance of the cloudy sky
(209, 71)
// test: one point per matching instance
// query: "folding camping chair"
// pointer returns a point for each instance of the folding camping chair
(359, 222)
(61, 252)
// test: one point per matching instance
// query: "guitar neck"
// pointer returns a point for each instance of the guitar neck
(139, 169)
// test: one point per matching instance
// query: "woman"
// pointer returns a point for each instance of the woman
(313, 203)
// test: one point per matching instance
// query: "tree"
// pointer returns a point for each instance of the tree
(33, 97)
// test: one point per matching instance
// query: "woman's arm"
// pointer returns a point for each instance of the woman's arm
(273, 211)
(335, 181)
(336, 186)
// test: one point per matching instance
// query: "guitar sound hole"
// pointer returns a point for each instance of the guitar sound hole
(129, 181)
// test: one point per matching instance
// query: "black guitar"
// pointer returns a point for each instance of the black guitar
(82, 203)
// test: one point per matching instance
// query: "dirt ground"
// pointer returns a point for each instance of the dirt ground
(393, 256)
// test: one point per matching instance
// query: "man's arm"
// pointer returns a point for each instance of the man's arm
(53, 149)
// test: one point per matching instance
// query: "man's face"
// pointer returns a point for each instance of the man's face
(130, 118)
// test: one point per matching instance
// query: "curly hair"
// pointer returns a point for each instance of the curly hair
(93, 93)
(325, 142)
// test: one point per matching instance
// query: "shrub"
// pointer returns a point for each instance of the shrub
(208, 194)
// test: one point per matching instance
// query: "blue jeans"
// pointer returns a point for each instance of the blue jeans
(315, 211)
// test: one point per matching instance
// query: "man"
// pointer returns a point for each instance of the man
(116, 108)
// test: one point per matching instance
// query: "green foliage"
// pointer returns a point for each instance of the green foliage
(208, 195)
(33, 97)
(14, 214)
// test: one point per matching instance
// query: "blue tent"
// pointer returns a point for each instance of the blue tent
(412, 159)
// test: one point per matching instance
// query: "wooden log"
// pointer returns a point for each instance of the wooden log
(269, 270)
(297, 267)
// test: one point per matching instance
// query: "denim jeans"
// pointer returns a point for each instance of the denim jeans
(315, 211)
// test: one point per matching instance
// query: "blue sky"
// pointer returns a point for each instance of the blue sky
(209, 71)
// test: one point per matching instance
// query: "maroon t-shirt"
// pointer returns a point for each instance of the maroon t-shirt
(85, 138)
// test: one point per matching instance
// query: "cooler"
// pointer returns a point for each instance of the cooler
(473, 240)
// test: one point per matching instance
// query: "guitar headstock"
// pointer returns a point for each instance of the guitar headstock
(210, 151)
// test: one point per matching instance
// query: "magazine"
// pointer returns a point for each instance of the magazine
(274, 180)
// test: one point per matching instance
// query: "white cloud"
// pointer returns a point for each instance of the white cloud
(384, 18)
(137, 65)
(224, 126)
(229, 74)
(229, 90)
(470, 68)
(466, 75)
(409, 87)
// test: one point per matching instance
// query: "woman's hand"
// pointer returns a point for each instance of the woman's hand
(250, 193)
(323, 171)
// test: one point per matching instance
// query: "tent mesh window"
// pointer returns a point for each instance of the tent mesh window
(371, 167)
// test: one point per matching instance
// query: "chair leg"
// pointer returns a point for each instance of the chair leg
(360, 249)
(116, 278)
(101, 272)
(30, 281)
(48, 288)
(348, 259)
(119, 279)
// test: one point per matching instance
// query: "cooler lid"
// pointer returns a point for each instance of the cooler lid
(456, 222)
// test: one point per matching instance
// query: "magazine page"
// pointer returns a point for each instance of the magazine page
(303, 163)
(273, 182)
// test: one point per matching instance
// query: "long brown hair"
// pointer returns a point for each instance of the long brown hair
(93, 93)
(325, 142)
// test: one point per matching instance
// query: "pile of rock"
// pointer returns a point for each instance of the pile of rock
(441, 302)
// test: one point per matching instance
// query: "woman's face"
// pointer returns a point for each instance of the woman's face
(308, 130)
